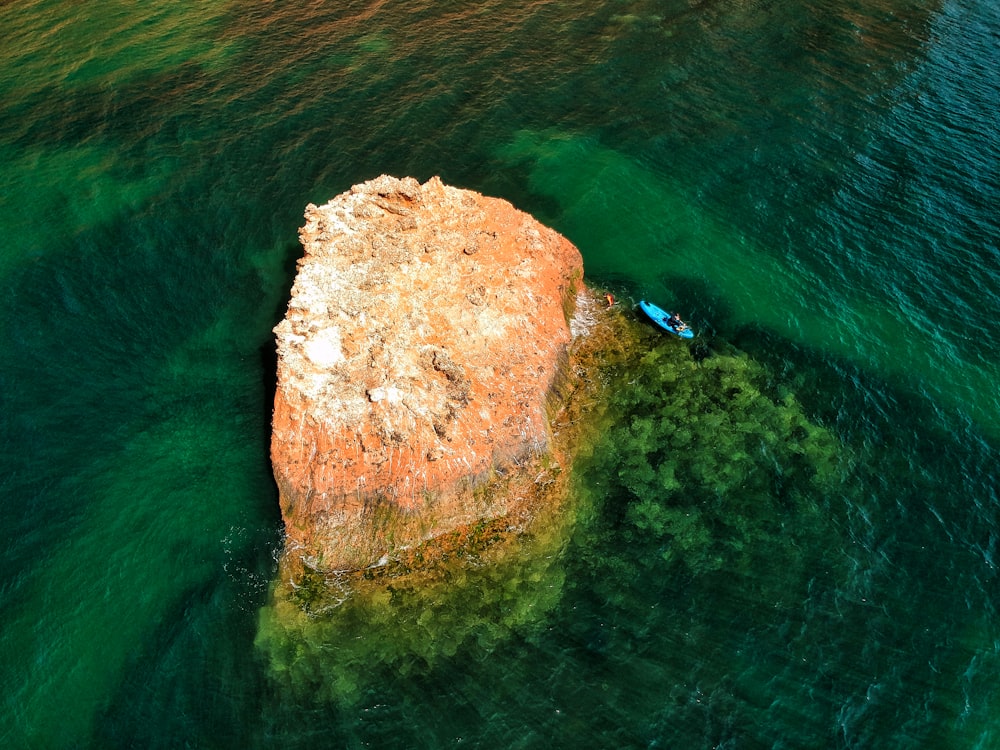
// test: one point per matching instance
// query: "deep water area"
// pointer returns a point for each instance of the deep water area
(785, 535)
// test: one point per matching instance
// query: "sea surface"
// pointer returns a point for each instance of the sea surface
(790, 538)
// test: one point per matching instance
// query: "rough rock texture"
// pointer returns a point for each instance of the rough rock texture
(427, 327)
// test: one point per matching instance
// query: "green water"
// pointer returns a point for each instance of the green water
(807, 181)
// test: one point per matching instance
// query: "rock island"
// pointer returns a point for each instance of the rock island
(427, 331)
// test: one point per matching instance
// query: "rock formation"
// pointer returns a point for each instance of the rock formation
(426, 331)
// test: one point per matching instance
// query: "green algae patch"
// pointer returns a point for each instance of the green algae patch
(710, 465)
(408, 623)
(659, 457)
(327, 637)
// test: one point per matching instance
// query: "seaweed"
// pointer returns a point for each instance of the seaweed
(707, 464)
(331, 638)
(684, 463)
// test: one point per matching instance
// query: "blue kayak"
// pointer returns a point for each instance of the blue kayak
(660, 317)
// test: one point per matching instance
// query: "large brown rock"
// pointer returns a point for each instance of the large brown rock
(426, 330)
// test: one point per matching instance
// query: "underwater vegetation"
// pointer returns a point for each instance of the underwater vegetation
(405, 626)
(689, 462)
(708, 464)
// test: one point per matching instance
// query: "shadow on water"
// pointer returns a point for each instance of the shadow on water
(203, 638)
(268, 353)
(132, 393)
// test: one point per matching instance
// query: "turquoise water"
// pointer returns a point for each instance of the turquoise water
(811, 182)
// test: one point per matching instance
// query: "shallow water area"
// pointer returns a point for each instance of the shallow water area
(789, 539)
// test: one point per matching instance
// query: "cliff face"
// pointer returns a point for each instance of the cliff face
(426, 327)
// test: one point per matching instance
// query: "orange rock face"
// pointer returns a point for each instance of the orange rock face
(426, 329)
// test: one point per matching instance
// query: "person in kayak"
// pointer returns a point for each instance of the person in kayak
(675, 322)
